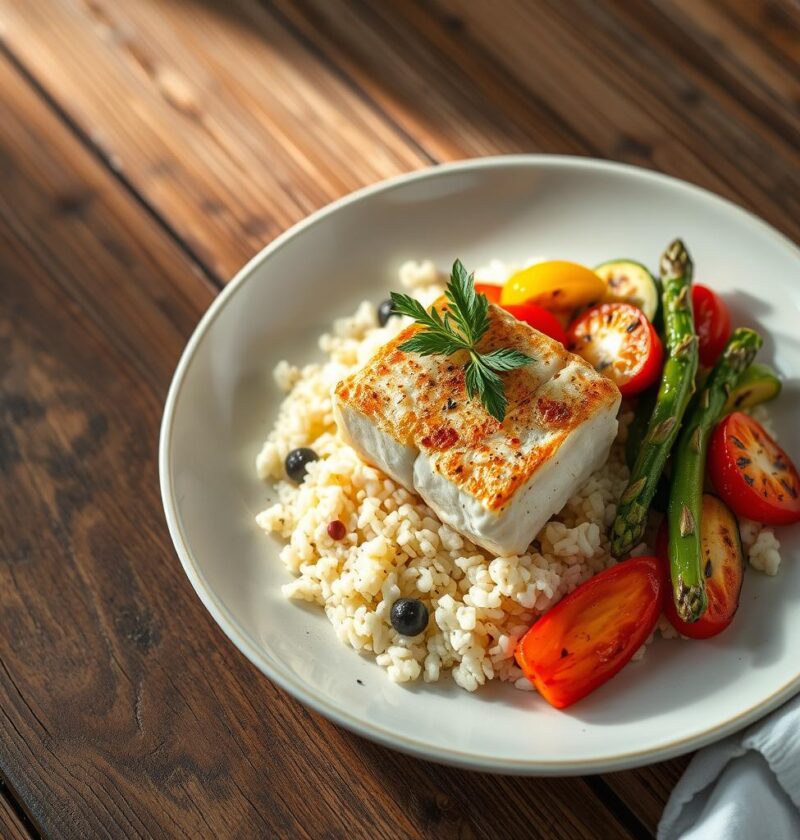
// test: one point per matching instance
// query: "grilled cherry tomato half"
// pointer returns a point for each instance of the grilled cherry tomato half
(751, 473)
(619, 341)
(712, 322)
(539, 318)
(586, 638)
(491, 290)
(723, 566)
(554, 284)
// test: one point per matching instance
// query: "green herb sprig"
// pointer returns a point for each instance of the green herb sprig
(464, 324)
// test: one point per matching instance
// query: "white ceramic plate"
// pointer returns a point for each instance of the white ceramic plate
(222, 401)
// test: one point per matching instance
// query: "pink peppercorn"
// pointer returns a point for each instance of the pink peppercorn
(336, 530)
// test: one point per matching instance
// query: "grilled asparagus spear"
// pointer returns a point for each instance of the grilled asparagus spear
(686, 490)
(677, 385)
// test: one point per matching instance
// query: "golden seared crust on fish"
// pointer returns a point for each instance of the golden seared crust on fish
(421, 403)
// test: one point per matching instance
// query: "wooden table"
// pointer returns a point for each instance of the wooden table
(147, 149)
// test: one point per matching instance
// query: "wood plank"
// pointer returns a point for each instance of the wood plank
(774, 23)
(229, 126)
(123, 710)
(11, 826)
(631, 91)
(455, 101)
(256, 127)
(646, 790)
(730, 61)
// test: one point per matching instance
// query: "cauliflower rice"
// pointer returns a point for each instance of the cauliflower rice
(479, 604)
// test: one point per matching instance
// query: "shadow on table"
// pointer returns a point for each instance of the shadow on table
(451, 802)
(427, 73)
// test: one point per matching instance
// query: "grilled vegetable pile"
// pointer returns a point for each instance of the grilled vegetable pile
(669, 344)
(677, 425)
(708, 372)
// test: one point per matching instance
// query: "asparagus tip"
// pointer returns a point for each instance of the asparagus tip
(675, 261)
(690, 601)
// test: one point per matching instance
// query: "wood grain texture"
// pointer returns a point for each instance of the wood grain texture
(147, 149)
(223, 122)
(657, 102)
(775, 24)
(11, 826)
(246, 117)
(455, 101)
(123, 711)
(646, 790)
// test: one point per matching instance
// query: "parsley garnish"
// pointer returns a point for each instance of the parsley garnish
(464, 324)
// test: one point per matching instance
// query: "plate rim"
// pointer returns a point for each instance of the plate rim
(301, 690)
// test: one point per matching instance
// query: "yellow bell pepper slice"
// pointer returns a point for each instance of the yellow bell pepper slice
(555, 285)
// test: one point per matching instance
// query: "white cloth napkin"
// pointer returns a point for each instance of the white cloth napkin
(745, 787)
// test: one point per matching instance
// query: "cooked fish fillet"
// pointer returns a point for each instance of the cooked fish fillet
(497, 484)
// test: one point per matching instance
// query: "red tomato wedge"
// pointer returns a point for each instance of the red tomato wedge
(539, 318)
(491, 291)
(592, 633)
(619, 341)
(723, 564)
(751, 473)
(712, 322)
